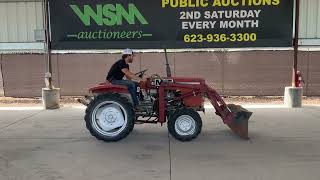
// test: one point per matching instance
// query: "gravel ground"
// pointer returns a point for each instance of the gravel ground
(13, 101)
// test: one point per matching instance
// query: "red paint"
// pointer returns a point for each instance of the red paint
(193, 91)
(108, 87)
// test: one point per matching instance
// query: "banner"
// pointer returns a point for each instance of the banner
(108, 24)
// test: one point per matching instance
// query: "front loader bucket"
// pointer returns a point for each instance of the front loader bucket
(239, 123)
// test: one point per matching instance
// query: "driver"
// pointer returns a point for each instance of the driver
(120, 69)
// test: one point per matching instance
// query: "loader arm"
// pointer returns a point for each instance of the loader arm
(234, 116)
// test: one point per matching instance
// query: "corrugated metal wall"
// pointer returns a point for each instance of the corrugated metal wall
(310, 19)
(18, 20)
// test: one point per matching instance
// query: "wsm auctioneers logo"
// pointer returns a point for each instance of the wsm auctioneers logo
(110, 15)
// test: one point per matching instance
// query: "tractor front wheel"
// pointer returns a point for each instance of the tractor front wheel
(185, 124)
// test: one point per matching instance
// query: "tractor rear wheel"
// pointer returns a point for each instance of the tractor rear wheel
(185, 124)
(109, 117)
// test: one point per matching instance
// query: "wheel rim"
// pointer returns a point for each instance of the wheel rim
(185, 125)
(109, 118)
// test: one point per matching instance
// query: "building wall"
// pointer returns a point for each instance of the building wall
(19, 20)
(1, 79)
(309, 22)
(231, 73)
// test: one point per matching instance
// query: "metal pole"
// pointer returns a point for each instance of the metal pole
(167, 63)
(296, 40)
(48, 74)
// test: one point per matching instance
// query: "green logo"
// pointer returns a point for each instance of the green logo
(108, 14)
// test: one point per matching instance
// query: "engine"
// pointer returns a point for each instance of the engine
(149, 105)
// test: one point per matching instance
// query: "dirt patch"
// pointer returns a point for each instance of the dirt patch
(267, 100)
(14, 101)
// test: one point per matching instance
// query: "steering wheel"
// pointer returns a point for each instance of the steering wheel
(141, 73)
(155, 76)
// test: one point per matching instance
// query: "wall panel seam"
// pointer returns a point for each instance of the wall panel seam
(2, 74)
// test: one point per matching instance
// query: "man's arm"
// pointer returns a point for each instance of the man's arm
(130, 75)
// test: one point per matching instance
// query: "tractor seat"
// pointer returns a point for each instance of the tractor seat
(108, 87)
(108, 83)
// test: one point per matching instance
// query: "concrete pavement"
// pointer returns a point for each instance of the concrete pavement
(55, 145)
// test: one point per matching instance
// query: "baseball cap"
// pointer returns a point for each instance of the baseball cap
(127, 51)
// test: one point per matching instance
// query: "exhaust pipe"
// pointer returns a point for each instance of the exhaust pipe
(85, 101)
(82, 101)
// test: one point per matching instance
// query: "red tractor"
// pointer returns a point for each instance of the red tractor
(110, 115)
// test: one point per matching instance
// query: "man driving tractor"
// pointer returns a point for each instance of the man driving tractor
(120, 69)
